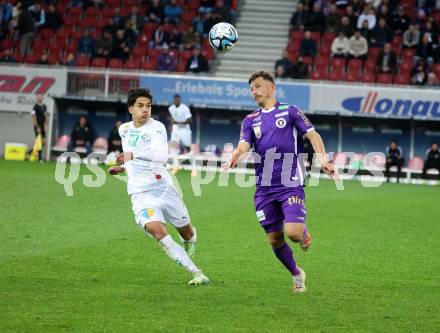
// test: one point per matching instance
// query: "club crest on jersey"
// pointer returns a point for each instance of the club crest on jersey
(257, 131)
(281, 122)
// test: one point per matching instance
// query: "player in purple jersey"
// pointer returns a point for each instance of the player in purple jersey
(276, 131)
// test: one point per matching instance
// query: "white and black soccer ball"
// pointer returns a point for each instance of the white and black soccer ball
(223, 36)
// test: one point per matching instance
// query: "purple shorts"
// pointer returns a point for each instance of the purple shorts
(276, 206)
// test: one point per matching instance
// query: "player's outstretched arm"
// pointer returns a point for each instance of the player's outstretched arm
(318, 146)
(243, 148)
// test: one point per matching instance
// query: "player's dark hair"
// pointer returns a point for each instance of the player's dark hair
(135, 93)
(263, 74)
(393, 141)
(434, 143)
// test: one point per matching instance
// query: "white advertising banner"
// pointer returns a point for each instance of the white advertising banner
(375, 100)
(20, 84)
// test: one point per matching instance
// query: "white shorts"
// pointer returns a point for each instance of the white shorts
(162, 204)
(182, 136)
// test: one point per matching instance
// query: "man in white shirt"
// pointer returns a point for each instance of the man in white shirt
(181, 120)
(154, 198)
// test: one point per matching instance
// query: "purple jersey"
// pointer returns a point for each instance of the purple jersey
(276, 136)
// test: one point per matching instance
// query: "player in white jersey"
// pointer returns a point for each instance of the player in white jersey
(154, 198)
(181, 120)
(180, 130)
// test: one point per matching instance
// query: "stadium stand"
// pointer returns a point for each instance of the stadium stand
(117, 29)
(385, 23)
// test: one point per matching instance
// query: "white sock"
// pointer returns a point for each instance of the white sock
(177, 254)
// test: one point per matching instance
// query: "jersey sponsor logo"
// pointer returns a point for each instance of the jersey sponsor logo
(260, 215)
(295, 200)
(372, 103)
(304, 118)
(281, 123)
(283, 107)
(285, 113)
(257, 131)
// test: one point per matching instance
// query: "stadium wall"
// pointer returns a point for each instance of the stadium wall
(349, 115)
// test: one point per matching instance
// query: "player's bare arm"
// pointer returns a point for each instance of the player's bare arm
(243, 148)
(318, 146)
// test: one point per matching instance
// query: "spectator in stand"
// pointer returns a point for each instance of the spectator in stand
(427, 5)
(114, 143)
(340, 46)
(432, 159)
(345, 27)
(341, 4)
(220, 12)
(419, 73)
(432, 81)
(365, 32)
(130, 33)
(280, 73)
(411, 37)
(5, 15)
(165, 61)
(299, 18)
(38, 14)
(206, 6)
(104, 45)
(160, 37)
(369, 15)
(190, 38)
(155, 12)
(136, 18)
(121, 46)
(387, 60)
(209, 21)
(425, 50)
(197, 63)
(400, 22)
(420, 18)
(44, 59)
(53, 19)
(381, 34)
(82, 136)
(316, 19)
(175, 39)
(8, 57)
(118, 21)
(383, 13)
(86, 44)
(26, 31)
(198, 23)
(432, 30)
(284, 61)
(70, 60)
(333, 18)
(394, 157)
(352, 16)
(173, 12)
(357, 46)
(308, 45)
(299, 70)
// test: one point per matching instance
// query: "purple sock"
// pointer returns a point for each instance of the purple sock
(285, 255)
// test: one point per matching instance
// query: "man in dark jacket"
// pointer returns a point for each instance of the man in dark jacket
(114, 142)
(82, 135)
(394, 157)
(197, 63)
(432, 159)
(387, 60)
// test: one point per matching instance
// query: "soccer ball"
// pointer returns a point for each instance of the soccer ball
(223, 36)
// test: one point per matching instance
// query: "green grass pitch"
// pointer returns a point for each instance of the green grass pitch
(81, 264)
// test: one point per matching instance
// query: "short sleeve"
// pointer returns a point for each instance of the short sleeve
(246, 132)
(188, 113)
(300, 121)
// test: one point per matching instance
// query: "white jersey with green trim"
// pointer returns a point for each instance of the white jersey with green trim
(149, 146)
